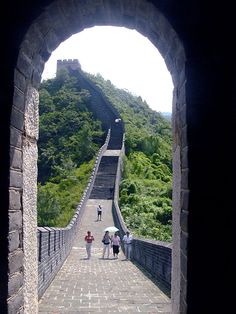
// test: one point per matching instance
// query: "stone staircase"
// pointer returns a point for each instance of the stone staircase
(104, 184)
(116, 138)
(103, 110)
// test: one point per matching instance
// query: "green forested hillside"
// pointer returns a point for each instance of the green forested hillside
(69, 138)
(146, 188)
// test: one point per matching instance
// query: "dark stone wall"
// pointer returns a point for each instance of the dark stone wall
(154, 256)
(54, 246)
(204, 119)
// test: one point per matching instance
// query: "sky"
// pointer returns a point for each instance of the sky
(123, 56)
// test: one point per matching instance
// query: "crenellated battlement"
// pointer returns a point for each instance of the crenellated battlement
(68, 64)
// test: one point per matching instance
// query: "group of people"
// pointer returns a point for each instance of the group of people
(113, 242)
(108, 241)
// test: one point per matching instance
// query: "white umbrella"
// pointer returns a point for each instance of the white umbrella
(111, 229)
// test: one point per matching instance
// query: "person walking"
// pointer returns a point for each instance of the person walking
(106, 244)
(115, 242)
(99, 212)
(89, 240)
(127, 239)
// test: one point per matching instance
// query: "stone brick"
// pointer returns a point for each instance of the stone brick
(16, 138)
(184, 200)
(19, 99)
(68, 10)
(184, 139)
(183, 306)
(24, 64)
(185, 158)
(52, 41)
(15, 199)
(183, 262)
(43, 24)
(182, 115)
(17, 119)
(184, 179)
(16, 158)
(15, 261)
(38, 63)
(13, 240)
(58, 23)
(19, 80)
(15, 283)
(33, 41)
(15, 220)
(36, 79)
(16, 179)
(184, 220)
(184, 242)
(15, 303)
(183, 291)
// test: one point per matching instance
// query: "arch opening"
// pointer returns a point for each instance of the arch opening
(126, 57)
(57, 23)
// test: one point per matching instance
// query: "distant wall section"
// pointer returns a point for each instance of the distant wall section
(68, 64)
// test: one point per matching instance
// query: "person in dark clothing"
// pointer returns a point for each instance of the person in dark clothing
(99, 212)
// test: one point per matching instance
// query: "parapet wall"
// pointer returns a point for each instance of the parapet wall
(154, 256)
(54, 244)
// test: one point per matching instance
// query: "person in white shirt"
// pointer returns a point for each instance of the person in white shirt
(106, 240)
(127, 239)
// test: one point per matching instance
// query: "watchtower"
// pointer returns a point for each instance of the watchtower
(68, 64)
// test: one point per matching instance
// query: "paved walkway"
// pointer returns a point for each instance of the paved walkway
(112, 152)
(100, 285)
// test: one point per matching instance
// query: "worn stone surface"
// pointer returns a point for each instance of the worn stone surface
(15, 261)
(32, 113)
(101, 285)
(13, 241)
(15, 200)
(15, 282)
(16, 137)
(16, 158)
(16, 303)
(16, 179)
(15, 220)
(30, 154)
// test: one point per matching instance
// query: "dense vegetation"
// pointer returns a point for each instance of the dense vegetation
(65, 155)
(69, 138)
(146, 188)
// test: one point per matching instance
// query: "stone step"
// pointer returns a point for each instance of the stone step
(109, 160)
(104, 181)
(111, 169)
(108, 165)
(102, 193)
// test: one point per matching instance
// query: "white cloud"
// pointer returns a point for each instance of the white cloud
(125, 57)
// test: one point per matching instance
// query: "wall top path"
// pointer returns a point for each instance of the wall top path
(101, 285)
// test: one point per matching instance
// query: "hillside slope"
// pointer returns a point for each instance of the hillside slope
(145, 191)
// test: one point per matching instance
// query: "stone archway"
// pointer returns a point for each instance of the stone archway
(58, 22)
